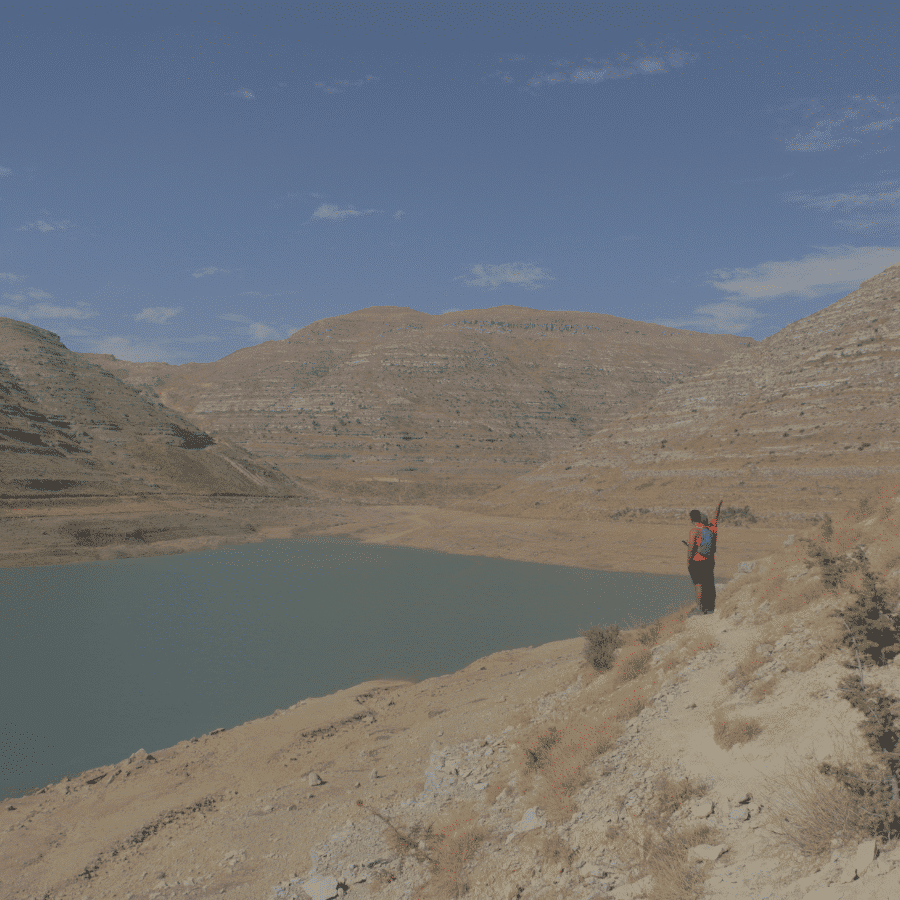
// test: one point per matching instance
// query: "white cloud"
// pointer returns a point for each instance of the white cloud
(885, 194)
(157, 315)
(721, 318)
(270, 294)
(210, 270)
(452, 309)
(10, 277)
(835, 129)
(833, 269)
(41, 225)
(346, 84)
(45, 311)
(399, 214)
(329, 211)
(884, 124)
(30, 294)
(244, 93)
(4, 172)
(128, 350)
(258, 331)
(594, 71)
(523, 274)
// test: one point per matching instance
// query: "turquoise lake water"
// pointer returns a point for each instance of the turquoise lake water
(99, 659)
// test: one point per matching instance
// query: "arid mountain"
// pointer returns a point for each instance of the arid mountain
(392, 405)
(787, 427)
(69, 428)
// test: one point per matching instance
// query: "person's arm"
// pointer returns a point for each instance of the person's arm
(692, 543)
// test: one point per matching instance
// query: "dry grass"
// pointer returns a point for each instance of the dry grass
(654, 847)
(809, 812)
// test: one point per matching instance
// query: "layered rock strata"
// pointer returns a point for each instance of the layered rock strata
(69, 427)
(397, 405)
(781, 430)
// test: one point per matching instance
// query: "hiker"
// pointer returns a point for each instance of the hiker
(701, 546)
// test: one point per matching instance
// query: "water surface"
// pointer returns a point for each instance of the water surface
(98, 659)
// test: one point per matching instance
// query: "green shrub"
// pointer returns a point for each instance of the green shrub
(835, 567)
(871, 628)
(871, 634)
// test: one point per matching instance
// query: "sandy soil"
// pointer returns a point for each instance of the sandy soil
(116, 830)
(77, 531)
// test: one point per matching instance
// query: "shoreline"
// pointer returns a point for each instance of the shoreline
(118, 529)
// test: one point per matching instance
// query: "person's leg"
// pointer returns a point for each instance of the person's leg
(709, 588)
(695, 571)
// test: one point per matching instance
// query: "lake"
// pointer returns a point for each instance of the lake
(98, 659)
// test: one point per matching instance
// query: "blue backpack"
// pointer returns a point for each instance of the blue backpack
(707, 543)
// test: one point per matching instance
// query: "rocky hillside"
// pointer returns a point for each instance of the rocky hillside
(781, 430)
(396, 405)
(68, 427)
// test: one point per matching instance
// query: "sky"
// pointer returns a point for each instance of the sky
(178, 182)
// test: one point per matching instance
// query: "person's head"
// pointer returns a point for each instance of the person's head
(704, 519)
(696, 516)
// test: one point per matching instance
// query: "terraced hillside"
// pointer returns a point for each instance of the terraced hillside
(781, 430)
(395, 405)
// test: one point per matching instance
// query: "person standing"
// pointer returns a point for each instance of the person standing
(701, 559)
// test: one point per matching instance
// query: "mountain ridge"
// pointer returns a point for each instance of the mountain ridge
(388, 404)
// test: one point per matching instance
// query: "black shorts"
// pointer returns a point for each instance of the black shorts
(702, 572)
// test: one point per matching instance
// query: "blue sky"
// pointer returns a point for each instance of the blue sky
(178, 183)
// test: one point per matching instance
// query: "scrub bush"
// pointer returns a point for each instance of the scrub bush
(602, 642)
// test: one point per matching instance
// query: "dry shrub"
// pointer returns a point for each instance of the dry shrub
(561, 769)
(750, 579)
(742, 673)
(631, 708)
(763, 689)
(494, 790)
(656, 849)
(687, 648)
(669, 796)
(672, 661)
(811, 813)
(457, 842)
(554, 851)
(674, 875)
(801, 599)
(728, 732)
(634, 665)
(555, 795)
(771, 588)
(829, 643)
(611, 734)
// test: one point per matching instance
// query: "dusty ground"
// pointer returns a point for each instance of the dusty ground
(177, 816)
(232, 812)
(74, 530)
